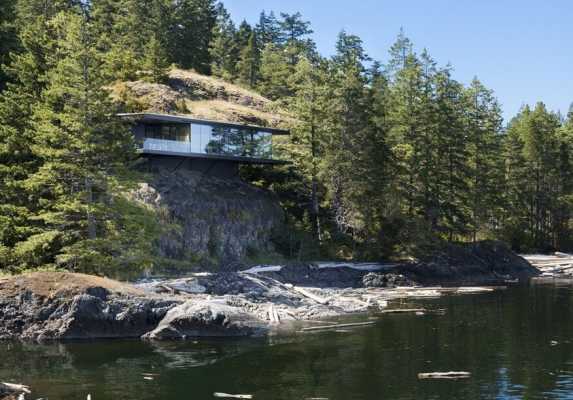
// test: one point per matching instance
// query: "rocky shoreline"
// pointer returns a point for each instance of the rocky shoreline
(254, 302)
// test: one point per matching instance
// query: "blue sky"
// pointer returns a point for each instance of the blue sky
(522, 49)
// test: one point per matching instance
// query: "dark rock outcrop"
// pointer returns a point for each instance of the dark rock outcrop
(210, 218)
(486, 262)
(45, 308)
(310, 275)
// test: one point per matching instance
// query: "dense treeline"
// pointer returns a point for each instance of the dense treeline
(387, 158)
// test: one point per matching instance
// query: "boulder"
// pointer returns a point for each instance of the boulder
(388, 280)
(207, 319)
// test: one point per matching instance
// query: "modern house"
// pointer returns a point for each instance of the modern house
(211, 147)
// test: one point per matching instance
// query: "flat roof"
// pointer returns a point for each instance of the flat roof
(144, 116)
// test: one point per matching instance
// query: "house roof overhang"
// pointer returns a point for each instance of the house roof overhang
(156, 117)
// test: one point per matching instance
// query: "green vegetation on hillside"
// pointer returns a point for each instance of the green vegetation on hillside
(387, 158)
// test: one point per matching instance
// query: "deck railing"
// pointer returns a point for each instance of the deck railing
(172, 146)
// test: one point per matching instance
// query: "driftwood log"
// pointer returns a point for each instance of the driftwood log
(337, 326)
(232, 396)
(12, 390)
(444, 375)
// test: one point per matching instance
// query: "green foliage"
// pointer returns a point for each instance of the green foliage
(8, 36)
(249, 62)
(224, 49)
(387, 160)
(155, 61)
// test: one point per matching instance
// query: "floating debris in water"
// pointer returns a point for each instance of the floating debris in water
(233, 396)
(444, 375)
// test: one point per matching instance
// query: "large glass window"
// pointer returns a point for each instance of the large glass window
(211, 139)
(244, 142)
(175, 132)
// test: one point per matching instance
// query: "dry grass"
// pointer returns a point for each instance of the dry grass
(220, 110)
(55, 284)
(199, 96)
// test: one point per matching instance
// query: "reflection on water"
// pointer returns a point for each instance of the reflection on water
(516, 343)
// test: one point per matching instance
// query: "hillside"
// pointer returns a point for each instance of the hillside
(205, 97)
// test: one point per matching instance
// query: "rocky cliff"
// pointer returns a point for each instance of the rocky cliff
(208, 220)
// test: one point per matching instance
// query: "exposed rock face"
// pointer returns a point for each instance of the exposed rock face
(199, 96)
(210, 218)
(156, 97)
(45, 308)
(200, 319)
(482, 263)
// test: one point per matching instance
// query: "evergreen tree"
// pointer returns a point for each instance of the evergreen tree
(275, 73)
(26, 72)
(563, 207)
(407, 120)
(249, 63)
(268, 30)
(348, 126)
(451, 156)
(191, 34)
(293, 37)
(155, 62)
(120, 32)
(8, 36)
(293, 28)
(223, 48)
(309, 105)
(483, 121)
(79, 148)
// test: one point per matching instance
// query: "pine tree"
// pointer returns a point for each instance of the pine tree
(483, 125)
(275, 73)
(249, 63)
(8, 36)
(191, 34)
(293, 28)
(79, 147)
(451, 156)
(120, 33)
(348, 126)
(563, 208)
(268, 30)
(293, 37)
(223, 48)
(309, 105)
(155, 62)
(406, 115)
(26, 71)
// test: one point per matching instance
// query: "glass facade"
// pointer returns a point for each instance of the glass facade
(176, 132)
(208, 139)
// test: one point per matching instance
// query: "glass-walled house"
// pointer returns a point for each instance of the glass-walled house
(163, 134)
